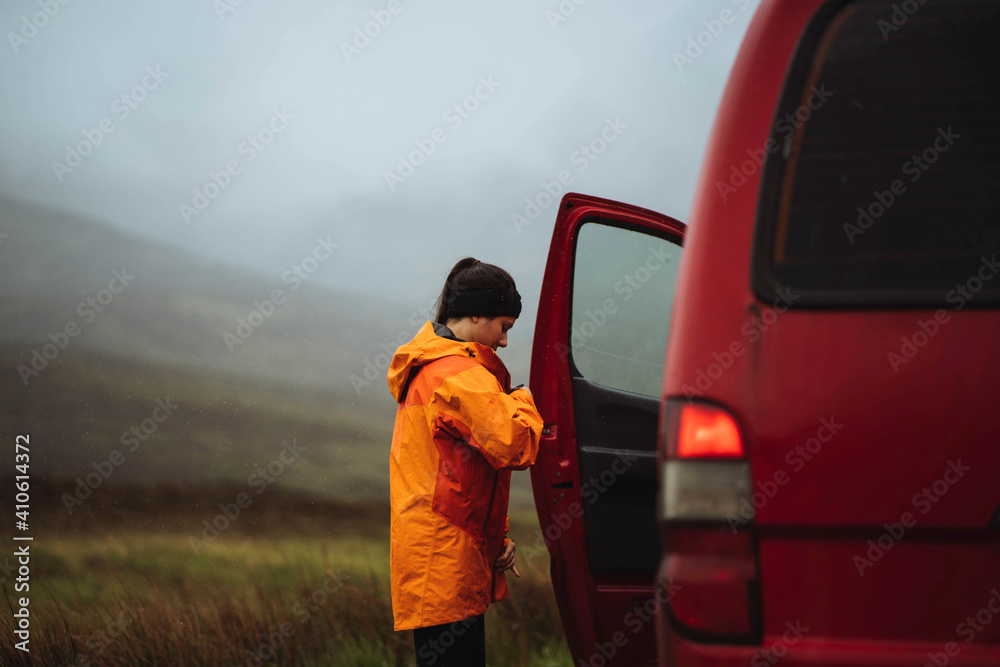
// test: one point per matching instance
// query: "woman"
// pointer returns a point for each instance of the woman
(460, 429)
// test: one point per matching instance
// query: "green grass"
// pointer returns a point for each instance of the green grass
(317, 569)
(211, 609)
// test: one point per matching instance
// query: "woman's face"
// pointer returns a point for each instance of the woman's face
(490, 331)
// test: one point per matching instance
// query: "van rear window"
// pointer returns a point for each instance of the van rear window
(884, 184)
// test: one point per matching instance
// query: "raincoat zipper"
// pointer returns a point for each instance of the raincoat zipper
(489, 510)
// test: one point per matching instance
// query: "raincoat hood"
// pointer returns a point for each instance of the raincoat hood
(428, 346)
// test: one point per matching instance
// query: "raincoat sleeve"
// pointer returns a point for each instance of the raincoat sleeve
(505, 428)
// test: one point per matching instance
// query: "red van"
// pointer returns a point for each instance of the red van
(774, 434)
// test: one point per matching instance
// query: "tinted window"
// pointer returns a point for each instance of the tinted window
(886, 187)
(623, 289)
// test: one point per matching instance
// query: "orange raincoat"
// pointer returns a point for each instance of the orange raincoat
(457, 435)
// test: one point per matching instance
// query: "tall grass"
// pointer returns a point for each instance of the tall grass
(147, 599)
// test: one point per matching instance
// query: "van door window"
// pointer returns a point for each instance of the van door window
(623, 287)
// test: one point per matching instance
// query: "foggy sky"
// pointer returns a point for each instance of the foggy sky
(206, 83)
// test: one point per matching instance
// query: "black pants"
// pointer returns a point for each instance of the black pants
(458, 644)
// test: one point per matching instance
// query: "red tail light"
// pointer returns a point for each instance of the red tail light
(714, 571)
(706, 431)
(711, 561)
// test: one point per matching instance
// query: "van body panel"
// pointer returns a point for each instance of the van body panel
(825, 653)
(924, 588)
(862, 444)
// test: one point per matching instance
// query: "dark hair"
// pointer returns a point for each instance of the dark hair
(471, 273)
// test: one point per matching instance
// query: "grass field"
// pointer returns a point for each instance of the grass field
(299, 581)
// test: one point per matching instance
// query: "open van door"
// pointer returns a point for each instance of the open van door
(596, 375)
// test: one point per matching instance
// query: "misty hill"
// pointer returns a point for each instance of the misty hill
(174, 424)
(127, 322)
(179, 308)
(184, 309)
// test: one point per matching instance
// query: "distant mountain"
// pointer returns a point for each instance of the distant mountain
(179, 308)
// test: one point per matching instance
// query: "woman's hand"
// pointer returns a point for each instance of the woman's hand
(505, 561)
